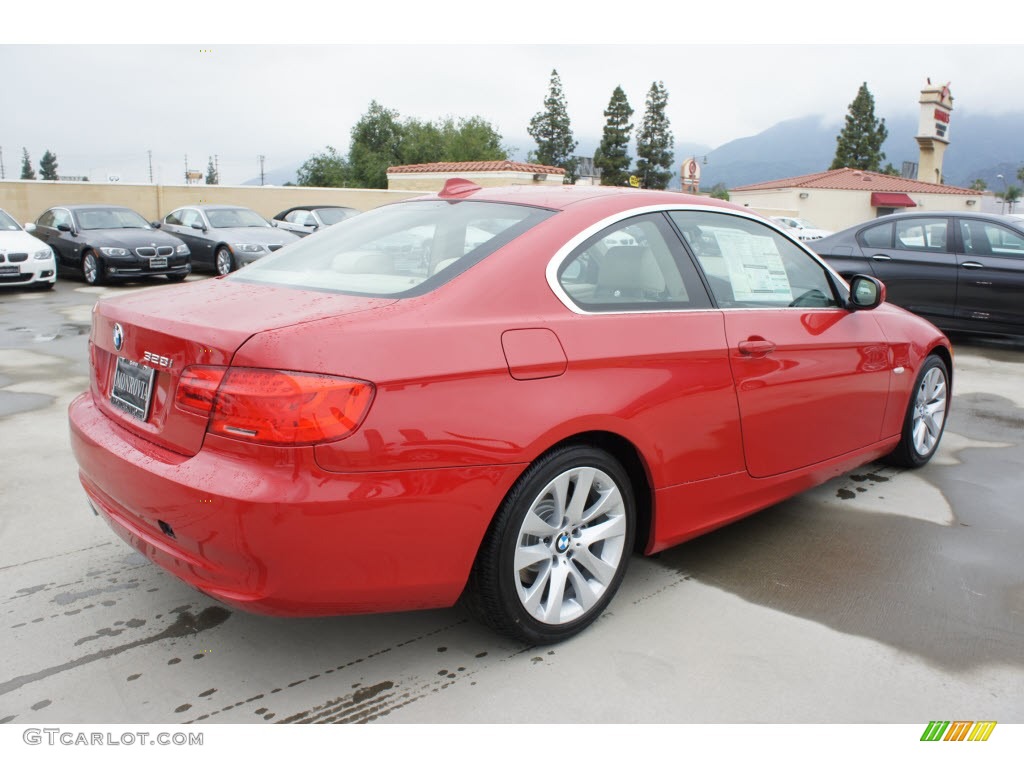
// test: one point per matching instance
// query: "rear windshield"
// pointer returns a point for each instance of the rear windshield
(404, 249)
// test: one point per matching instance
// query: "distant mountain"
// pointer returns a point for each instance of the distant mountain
(981, 146)
(276, 177)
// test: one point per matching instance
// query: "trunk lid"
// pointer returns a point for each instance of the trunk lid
(168, 329)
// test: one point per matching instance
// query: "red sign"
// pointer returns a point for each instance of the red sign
(941, 116)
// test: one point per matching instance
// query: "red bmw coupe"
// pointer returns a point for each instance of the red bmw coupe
(493, 394)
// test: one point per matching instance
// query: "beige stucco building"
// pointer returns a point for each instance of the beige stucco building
(430, 177)
(841, 198)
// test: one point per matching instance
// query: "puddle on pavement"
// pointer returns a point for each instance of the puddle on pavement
(39, 335)
(940, 592)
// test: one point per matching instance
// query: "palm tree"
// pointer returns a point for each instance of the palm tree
(1010, 196)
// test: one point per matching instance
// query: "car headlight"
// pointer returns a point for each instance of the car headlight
(248, 247)
(182, 250)
(44, 255)
(115, 251)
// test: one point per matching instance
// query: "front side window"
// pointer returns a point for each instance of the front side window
(60, 216)
(404, 249)
(748, 264)
(631, 266)
(301, 218)
(333, 215)
(984, 238)
(190, 217)
(921, 234)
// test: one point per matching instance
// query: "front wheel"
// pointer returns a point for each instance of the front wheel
(92, 269)
(225, 262)
(926, 416)
(558, 548)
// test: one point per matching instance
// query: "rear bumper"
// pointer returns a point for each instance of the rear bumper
(267, 530)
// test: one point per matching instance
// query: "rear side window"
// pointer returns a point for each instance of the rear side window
(923, 234)
(397, 250)
(632, 265)
(748, 264)
(879, 236)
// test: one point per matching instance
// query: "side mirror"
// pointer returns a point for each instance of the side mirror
(30, 227)
(198, 225)
(314, 226)
(65, 228)
(865, 292)
(155, 224)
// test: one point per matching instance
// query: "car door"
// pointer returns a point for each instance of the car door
(298, 223)
(990, 282)
(914, 257)
(811, 378)
(193, 228)
(62, 236)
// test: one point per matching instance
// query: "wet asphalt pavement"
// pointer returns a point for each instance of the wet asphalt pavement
(883, 596)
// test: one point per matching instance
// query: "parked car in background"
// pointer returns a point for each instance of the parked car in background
(110, 242)
(23, 259)
(802, 229)
(224, 238)
(348, 429)
(962, 271)
(306, 219)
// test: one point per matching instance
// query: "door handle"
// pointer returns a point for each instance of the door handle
(881, 257)
(972, 265)
(756, 347)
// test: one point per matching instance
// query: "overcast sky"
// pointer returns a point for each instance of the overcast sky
(101, 107)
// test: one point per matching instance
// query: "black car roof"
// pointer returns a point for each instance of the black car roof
(312, 208)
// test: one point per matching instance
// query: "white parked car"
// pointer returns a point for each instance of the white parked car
(24, 260)
(802, 229)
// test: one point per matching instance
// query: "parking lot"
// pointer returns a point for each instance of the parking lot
(883, 596)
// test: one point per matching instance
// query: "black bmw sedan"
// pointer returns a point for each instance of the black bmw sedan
(107, 242)
(962, 271)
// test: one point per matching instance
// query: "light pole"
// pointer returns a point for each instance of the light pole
(1002, 208)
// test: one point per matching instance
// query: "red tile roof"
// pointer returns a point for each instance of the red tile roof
(848, 178)
(488, 166)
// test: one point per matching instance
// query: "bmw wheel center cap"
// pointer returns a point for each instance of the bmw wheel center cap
(562, 542)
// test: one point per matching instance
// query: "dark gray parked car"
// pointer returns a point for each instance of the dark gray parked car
(306, 219)
(224, 237)
(962, 271)
(109, 242)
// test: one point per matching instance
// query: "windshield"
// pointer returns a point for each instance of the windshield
(398, 250)
(7, 223)
(110, 218)
(235, 217)
(334, 215)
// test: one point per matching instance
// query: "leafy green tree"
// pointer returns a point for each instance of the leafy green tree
(979, 185)
(327, 169)
(471, 139)
(1010, 196)
(611, 156)
(890, 170)
(1020, 173)
(720, 192)
(48, 166)
(420, 142)
(551, 130)
(26, 165)
(859, 144)
(212, 177)
(376, 146)
(654, 142)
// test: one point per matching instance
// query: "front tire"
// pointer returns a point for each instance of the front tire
(926, 416)
(558, 548)
(224, 262)
(92, 269)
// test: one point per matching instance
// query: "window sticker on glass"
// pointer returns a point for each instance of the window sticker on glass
(755, 267)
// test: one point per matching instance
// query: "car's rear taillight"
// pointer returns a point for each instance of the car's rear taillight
(274, 407)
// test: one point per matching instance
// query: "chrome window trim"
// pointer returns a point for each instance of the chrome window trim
(551, 272)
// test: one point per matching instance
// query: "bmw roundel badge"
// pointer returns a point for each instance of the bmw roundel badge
(118, 336)
(562, 543)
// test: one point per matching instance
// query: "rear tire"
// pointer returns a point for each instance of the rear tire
(925, 420)
(558, 548)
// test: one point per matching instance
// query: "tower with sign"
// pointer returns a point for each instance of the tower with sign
(933, 131)
(689, 174)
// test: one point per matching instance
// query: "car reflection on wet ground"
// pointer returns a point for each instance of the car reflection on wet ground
(884, 595)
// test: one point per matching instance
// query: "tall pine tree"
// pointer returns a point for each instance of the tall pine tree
(26, 165)
(212, 176)
(859, 144)
(611, 156)
(552, 132)
(654, 143)
(48, 166)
